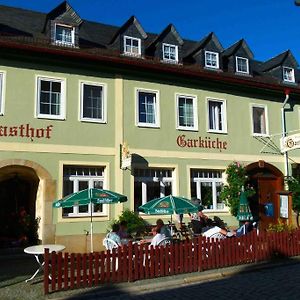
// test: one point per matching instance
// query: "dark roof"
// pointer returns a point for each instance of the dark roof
(234, 48)
(277, 61)
(201, 44)
(131, 20)
(26, 23)
(163, 34)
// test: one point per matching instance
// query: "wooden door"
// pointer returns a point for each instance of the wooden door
(267, 188)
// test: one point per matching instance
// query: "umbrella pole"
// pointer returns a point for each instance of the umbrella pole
(91, 208)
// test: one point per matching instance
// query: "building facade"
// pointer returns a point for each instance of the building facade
(75, 93)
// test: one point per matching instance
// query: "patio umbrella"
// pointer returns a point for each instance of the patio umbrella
(244, 212)
(168, 205)
(87, 196)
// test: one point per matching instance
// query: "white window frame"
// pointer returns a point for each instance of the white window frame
(132, 39)
(104, 102)
(90, 180)
(237, 66)
(176, 53)
(65, 43)
(217, 59)
(62, 81)
(223, 115)
(161, 180)
(213, 181)
(195, 112)
(292, 73)
(252, 106)
(2, 91)
(157, 108)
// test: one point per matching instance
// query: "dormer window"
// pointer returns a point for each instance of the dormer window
(211, 59)
(170, 53)
(132, 46)
(288, 74)
(242, 65)
(64, 35)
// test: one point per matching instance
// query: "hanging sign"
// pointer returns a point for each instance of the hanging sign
(290, 142)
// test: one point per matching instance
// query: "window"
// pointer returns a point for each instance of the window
(211, 59)
(242, 65)
(132, 46)
(288, 74)
(64, 35)
(77, 178)
(259, 120)
(170, 53)
(2, 93)
(93, 102)
(206, 186)
(217, 116)
(51, 98)
(147, 104)
(151, 183)
(186, 112)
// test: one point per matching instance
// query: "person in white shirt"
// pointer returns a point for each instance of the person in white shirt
(157, 238)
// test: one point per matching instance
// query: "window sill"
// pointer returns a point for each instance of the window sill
(217, 131)
(187, 129)
(260, 135)
(50, 117)
(93, 121)
(141, 125)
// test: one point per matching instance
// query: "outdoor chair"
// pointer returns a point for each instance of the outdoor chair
(110, 244)
(164, 242)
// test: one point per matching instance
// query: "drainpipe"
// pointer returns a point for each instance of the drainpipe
(286, 159)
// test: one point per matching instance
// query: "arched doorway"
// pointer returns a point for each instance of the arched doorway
(26, 189)
(18, 189)
(267, 180)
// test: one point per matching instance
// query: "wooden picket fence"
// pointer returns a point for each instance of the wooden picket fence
(137, 262)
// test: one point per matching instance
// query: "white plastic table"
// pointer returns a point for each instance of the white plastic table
(39, 250)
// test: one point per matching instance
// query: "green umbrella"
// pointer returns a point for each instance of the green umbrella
(168, 205)
(244, 212)
(87, 196)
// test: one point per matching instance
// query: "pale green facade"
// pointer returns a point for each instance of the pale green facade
(74, 142)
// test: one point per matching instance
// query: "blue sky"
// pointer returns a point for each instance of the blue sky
(269, 26)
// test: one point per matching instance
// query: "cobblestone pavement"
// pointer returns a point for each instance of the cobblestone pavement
(280, 282)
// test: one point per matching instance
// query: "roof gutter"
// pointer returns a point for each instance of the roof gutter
(150, 65)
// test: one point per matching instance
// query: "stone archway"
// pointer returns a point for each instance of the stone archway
(267, 181)
(38, 189)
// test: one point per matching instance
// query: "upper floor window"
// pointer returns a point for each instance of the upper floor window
(64, 35)
(132, 46)
(93, 102)
(242, 65)
(77, 178)
(216, 115)
(170, 53)
(288, 74)
(186, 112)
(1, 93)
(259, 120)
(50, 98)
(211, 59)
(147, 108)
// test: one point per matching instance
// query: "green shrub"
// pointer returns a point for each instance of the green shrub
(279, 227)
(136, 225)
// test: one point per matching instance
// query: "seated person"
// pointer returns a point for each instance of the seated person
(122, 233)
(163, 228)
(158, 237)
(216, 229)
(200, 222)
(244, 229)
(113, 234)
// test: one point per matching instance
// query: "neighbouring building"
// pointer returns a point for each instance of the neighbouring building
(73, 93)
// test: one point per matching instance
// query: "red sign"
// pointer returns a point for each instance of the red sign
(206, 143)
(26, 131)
